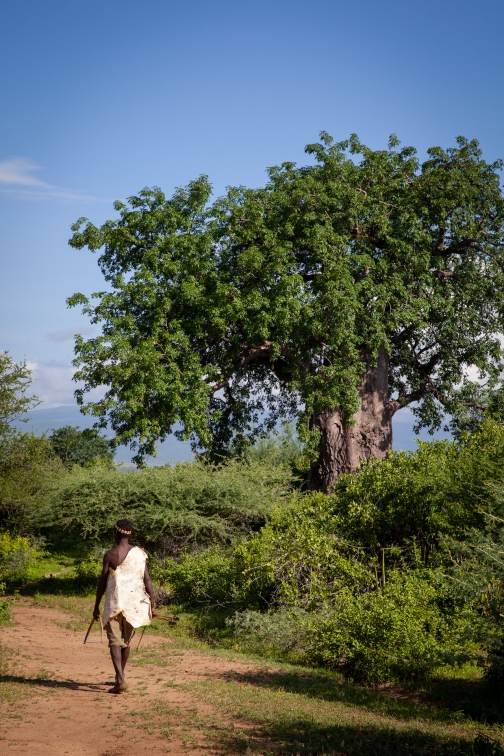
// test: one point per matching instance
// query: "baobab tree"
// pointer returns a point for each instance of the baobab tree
(339, 292)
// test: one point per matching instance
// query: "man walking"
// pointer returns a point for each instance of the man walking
(129, 601)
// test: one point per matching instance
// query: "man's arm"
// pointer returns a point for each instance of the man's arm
(102, 584)
(150, 589)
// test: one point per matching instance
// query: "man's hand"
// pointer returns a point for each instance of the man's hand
(153, 607)
(96, 613)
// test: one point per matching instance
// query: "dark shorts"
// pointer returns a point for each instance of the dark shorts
(119, 631)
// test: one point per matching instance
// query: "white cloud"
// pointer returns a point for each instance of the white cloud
(17, 179)
(19, 172)
(53, 384)
(69, 333)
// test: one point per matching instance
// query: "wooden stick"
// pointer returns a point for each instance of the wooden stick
(89, 629)
(143, 631)
(101, 628)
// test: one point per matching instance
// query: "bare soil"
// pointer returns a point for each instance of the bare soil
(68, 708)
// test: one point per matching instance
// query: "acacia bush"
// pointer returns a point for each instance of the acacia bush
(190, 505)
(403, 631)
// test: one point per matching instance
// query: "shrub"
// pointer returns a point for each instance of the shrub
(5, 605)
(16, 557)
(284, 630)
(27, 468)
(172, 508)
(84, 448)
(400, 632)
(295, 559)
(208, 577)
(474, 572)
(298, 559)
(440, 488)
(87, 572)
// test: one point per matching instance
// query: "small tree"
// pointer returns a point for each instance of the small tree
(14, 382)
(76, 447)
(340, 292)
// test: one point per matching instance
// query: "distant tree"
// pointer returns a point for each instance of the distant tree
(15, 381)
(340, 292)
(76, 447)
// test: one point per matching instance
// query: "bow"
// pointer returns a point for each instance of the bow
(171, 621)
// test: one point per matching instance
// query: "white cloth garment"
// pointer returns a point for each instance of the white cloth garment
(126, 592)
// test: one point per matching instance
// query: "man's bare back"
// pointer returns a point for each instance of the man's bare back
(117, 555)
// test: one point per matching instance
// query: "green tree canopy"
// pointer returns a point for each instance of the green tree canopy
(339, 292)
(76, 447)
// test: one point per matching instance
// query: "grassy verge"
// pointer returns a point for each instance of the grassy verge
(303, 712)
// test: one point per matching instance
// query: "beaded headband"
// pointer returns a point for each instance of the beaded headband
(124, 532)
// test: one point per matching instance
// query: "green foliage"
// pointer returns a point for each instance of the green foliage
(440, 488)
(14, 382)
(402, 631)
(171, 507)
(399, 632)
(477, 403)
(27, 468)
(297, 559)
(211, 577)
(17, 555)
(76, 447)
(5, 606)
(225, 317)
(278, 447)
(87, 572)
(474, 571)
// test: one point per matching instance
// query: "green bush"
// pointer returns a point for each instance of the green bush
(211, 577)
(5, 606)
(473, 571)
(85, 448)
(286, 629)
(400, 632)
(295, 559)
(27, 468)
(440, 488)
(16, 557)
(172, 508)
(298, 559)
(87, 572)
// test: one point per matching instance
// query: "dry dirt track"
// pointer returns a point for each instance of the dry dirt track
(73, 712)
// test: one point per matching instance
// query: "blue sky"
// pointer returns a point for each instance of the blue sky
(102, 99)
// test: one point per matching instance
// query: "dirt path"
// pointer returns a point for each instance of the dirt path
(72, 711)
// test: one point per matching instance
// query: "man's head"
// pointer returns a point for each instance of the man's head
(122, 529)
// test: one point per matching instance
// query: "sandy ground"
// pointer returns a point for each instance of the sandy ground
(72, 711)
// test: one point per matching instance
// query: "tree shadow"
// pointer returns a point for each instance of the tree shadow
(444, 701)
(307, 738)
(55, 684)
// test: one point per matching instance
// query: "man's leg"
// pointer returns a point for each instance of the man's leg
(127, 633)
(117, 660)
(114, 630)
(124, 659)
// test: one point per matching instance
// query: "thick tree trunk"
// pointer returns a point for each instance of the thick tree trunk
(342, 448)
